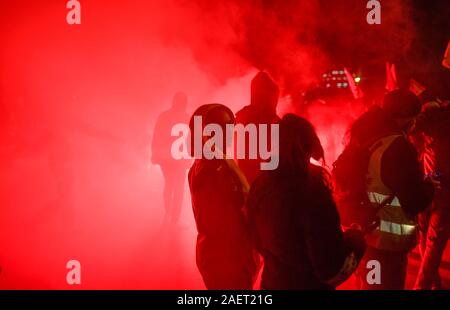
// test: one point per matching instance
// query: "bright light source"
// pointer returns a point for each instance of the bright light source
(357, 79)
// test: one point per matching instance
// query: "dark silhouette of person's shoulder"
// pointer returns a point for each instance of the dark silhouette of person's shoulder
(319, 178)
(256, 114)
(163, 118)
(167, 114)
(260, 190)
(265, 184)
(399, 149)
(399, 158)
(265, 179)
(207, 170)
(434, 122)
(244, 114)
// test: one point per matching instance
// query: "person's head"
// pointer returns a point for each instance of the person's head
(298, 143)
(402, 106)
(179, 101)
(264, 91)
(213, 113)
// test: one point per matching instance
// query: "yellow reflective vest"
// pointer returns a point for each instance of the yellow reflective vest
(396, 232)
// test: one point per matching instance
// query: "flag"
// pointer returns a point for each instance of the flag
(446, 61)
(416, 87)
(391, 77)
(356, 90)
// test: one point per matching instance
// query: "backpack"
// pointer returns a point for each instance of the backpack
(349, 184)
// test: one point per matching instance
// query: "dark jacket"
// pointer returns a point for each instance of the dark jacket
(224, 253)
(296, 228)
(402, 173)
(262, 110)
(255, 114)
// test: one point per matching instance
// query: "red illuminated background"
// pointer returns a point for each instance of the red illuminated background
(78, 105)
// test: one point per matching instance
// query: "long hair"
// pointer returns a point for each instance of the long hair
(298, 144)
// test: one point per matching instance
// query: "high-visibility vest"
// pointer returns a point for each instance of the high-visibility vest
(396, 232)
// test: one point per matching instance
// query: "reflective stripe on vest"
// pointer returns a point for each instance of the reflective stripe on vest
(380, 198)
(397, 229)
(396, 232)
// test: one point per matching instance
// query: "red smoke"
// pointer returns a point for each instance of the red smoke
(78, 105)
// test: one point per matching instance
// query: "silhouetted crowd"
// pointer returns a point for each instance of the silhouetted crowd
(310, 228)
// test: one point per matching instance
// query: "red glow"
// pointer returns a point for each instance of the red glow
(78, 105)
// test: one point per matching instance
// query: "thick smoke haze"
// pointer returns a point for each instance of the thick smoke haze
(78, 105)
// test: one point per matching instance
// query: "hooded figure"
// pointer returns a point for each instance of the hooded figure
(262, 110)
(224, 254)
(174, 171)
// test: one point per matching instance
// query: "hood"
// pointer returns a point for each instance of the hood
(264, 91)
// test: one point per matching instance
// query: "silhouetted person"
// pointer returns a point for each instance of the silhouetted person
(393, 185)
(262, 110)
(218, 188)
(294, 220)
(174, 171)
(432, 128)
